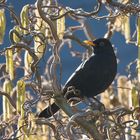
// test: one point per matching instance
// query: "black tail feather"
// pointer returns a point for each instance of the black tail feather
(52, 109)
(49, 111)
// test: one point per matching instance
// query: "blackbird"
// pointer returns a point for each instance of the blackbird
(93, 76)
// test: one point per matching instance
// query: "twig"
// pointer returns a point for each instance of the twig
(9, 98)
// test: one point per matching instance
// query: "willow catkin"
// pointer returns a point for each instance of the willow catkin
(134, 98)
(138, 44)
(109, 98)
(20, 97)
(126, 28)
(20, 87)
(122, 24)
(60, 25)
(124, 90)
(39, 43)
(2, 25)
(7, 108)
(9, 63)
(27, 63)
(25, 18)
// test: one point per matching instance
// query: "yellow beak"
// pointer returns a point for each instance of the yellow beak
(89, 42)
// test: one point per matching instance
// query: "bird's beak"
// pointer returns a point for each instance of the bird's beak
(89, 42)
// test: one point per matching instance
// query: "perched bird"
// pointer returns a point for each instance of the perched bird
(93, 76)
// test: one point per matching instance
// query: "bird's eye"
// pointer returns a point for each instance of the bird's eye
(101, 44)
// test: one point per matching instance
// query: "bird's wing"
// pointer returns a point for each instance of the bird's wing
(91, 76)
(82, 73)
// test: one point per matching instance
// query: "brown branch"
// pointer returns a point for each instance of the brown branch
(72, 37)
(16, 18)
(35, 62)
(53, 68)
(84, 26)
(90, 128)
(9, 98)
(111, 29)
(87, 31)
(14, 14)
(47, 20)
(127, 8)
(79, 12)
(46, 122)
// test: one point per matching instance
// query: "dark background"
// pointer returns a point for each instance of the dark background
(125, 53)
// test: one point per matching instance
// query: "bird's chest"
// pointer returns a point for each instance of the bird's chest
(99, 70)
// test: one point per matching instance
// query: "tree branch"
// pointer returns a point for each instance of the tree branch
(90, 128)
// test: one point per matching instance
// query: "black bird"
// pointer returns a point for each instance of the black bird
(93, 76)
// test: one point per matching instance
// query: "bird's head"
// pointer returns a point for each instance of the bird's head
(100, 45)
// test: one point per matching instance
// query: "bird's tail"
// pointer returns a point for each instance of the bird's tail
(49, 111)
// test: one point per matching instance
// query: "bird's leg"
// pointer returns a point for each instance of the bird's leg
(72, 92)
(72, 96)
(94, 103)
(73, 101)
